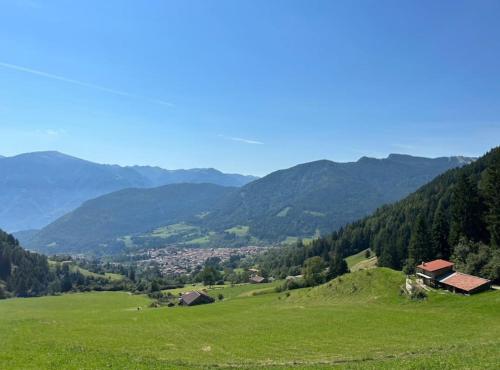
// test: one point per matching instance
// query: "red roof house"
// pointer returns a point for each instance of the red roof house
(435, 265)
(440, 274)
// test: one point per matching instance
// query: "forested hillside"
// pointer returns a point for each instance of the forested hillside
(22, 273)
(318, 197)
(100, 224)
(456, 216)
(27, 274)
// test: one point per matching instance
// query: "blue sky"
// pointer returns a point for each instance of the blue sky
(248, 86)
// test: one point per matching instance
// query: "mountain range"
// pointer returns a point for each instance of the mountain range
(303, 201)
(37, 188)
(455, 216)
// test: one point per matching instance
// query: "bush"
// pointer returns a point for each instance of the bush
(3, 295)
(220, 296)
(418, 294)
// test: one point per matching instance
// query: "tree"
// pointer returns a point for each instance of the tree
(337, 265)
(492, 200)
(465, 211)
(131, 274)
(313, 270)
(440, 234)
(66, 284)
(473, 258)
(420, 244)
(155, 287)
(5, 267)
(209, 275)
(3, 295)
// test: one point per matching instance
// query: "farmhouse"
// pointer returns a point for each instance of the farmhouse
(440, 274)
(194, 298)
(256, 279)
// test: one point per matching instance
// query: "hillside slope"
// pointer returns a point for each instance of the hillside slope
(21, 273)
(98, 223)
(322, 196)
(456, 216)
(37, 188)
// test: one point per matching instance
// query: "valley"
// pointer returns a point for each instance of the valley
(257, 185)
(301, 202)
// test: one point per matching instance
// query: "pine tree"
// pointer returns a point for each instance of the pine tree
(337, 265)
(440, 234)
(313, 270)
(420, 247)
(131, 274)
(492, 200)
(465, 211)
(5, 267)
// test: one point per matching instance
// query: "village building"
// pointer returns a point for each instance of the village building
(440, 274)
(256, 279)
(195, 298)
(294, 277)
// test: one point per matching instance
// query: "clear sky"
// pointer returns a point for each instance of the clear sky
(249, 86)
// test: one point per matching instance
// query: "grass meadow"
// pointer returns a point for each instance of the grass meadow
(357, 321)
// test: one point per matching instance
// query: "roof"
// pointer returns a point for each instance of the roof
(463, 281)
(257, 279)
(190, 297)
(435, 265)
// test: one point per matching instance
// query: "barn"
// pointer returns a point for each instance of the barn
(440, 274)
(464, 283)
(195, 298)
(256, 279)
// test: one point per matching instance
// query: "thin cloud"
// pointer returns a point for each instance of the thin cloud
(52, 132)
(242, 140)
(82, 83)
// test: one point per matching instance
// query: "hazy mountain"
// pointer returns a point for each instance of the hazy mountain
(99, 222)
(37, 188)
(301, 201)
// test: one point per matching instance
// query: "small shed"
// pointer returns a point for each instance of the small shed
(256, 279)
(195, 298)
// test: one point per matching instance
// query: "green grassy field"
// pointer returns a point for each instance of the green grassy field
(239, 230)
(74, 268)
(357, 321)
(359, 261)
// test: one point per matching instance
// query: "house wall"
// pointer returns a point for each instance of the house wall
(437, 273)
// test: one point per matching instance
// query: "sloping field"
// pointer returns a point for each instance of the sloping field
(357, 321)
